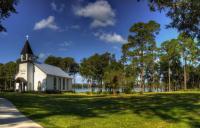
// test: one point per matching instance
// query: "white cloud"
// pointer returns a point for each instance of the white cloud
(64, 29)
(100, 12)
(42, 55)
(3, 34)
(65, 43)
(111, 37)
(64, 46)
(53, 6)
(79, 79)
(72, 27)
(46, 23)
(57, 8)
(116, 48)
(75, 27)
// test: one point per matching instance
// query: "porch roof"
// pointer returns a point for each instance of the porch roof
(20, 79)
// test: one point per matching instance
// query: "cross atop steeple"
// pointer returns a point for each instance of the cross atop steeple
(27, 36)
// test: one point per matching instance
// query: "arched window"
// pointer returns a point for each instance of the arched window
(39, 86)
(23, 57)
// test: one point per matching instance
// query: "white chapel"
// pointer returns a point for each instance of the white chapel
(35, 76)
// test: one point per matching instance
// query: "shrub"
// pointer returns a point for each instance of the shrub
(128, 91)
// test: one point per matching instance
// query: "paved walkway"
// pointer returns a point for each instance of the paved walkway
(10, 117)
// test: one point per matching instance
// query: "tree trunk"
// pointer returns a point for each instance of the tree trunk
(185, 76)
(5, 85)
(169, 78)
(142, 81)
(74, 79)
(142, 73)
(91, 86)
(101, 86)
(10, 84)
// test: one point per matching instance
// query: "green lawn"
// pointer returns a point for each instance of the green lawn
(167, 110)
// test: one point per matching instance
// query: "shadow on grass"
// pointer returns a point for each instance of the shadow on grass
(173, 107)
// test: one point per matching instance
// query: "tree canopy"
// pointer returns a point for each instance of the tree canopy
(68, 64)
(7, 7)
(184, 14)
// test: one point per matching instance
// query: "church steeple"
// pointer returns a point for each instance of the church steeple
(27, 48)
(27, 53)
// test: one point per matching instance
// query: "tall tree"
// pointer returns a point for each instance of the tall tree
(188, 52)
(169, 54)
(92, 68)
(184, 14)
(130, 70)
(140, 46)
(86, 70)
(69, 65)
(113, 77)
(6, 8)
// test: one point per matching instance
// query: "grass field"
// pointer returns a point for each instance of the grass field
(166, 110)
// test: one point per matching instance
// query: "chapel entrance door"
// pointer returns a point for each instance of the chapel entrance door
(22, 84)
(22, 87)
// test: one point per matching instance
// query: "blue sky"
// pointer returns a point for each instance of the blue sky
(75, 28)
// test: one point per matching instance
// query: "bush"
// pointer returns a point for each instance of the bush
(128, 91)
(105, 92)
(89, 93)
(53, 92)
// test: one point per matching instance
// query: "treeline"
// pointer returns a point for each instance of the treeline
(68, 64)
(174, 65)
(7, 74)
(144, 66)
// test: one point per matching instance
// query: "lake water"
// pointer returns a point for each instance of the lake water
(97, 89)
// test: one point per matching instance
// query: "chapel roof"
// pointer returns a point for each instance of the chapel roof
(52, 70)
(27, 48)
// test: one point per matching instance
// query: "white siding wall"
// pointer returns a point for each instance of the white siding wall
(30, 68)
(39, 76)
(50, 83)
(22, 71)
(26, 72)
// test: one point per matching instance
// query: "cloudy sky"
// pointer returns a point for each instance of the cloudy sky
(75, 28)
